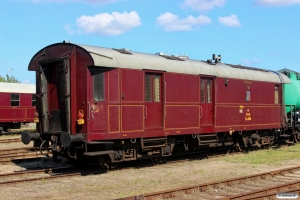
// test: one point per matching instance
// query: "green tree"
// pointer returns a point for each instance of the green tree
(10, 79)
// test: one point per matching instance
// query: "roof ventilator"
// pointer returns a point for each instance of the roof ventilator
(214, 58)
(170, 57)
(123, 50)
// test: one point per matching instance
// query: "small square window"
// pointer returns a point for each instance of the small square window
(33, 100)
(156, 88)
(148, 88)
(208, 91)
(98, 83)
(202, 91)
(15, 100)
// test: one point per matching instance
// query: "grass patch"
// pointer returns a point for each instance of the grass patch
(270, 157)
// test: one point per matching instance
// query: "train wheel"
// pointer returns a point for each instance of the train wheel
(159, 160)
(105, 162)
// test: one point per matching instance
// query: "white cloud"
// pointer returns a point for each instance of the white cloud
(231, 21)
(203, 5)
(277, 2)
(71, 29)
(171, 22)
(27, 81)
(86, 1)
(250, 62)
(105, 23)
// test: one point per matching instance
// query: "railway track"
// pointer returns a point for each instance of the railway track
(10, 140)
(50, 173)
(10, 155)
(236, 188)
(207, 190)
(42, 174)
(34, 175)
(269, 192)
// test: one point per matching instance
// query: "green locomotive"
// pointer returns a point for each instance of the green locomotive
(292, 101)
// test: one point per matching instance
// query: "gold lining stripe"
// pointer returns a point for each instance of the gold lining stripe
(118, 86)
(261, 106)
(181, 128)
(143, 114)
(186, 127)
(118, 119)
(183, 105)
(248, 125)
(248, 104)
(17, 119)
(16, 107)
(179, 103)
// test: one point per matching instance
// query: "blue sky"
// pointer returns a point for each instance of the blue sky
(258, 33)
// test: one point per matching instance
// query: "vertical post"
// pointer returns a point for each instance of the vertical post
(67, 92)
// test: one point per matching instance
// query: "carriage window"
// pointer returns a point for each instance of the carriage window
(148, 88)
(152, 88)
(33, 100)
(98, 82)
(14, 99)
(202, 91)
(156, 88)
(208, 91)
(276, 94)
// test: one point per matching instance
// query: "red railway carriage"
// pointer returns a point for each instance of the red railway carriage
(122, 105)
(17, 105)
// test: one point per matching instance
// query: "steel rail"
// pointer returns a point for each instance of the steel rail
(20, 158)
(167, 194)
(270, 191)
(40, 178)
(9, 155)
(11, 140)
(208, 155)
(273, 195)
(20, 150)
(24, 172)
(16, 154)
(44, 171)
(60, 172)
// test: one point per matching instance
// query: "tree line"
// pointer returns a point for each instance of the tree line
(10, 79)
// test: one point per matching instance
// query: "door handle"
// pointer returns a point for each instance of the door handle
(200, 111)
(146, 113)
(89, 111)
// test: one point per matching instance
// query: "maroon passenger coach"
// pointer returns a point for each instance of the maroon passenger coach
(120, 105)
(17, 105)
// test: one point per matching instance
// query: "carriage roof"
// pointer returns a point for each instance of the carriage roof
(135, 60)
(17, 88)
(122, 58)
